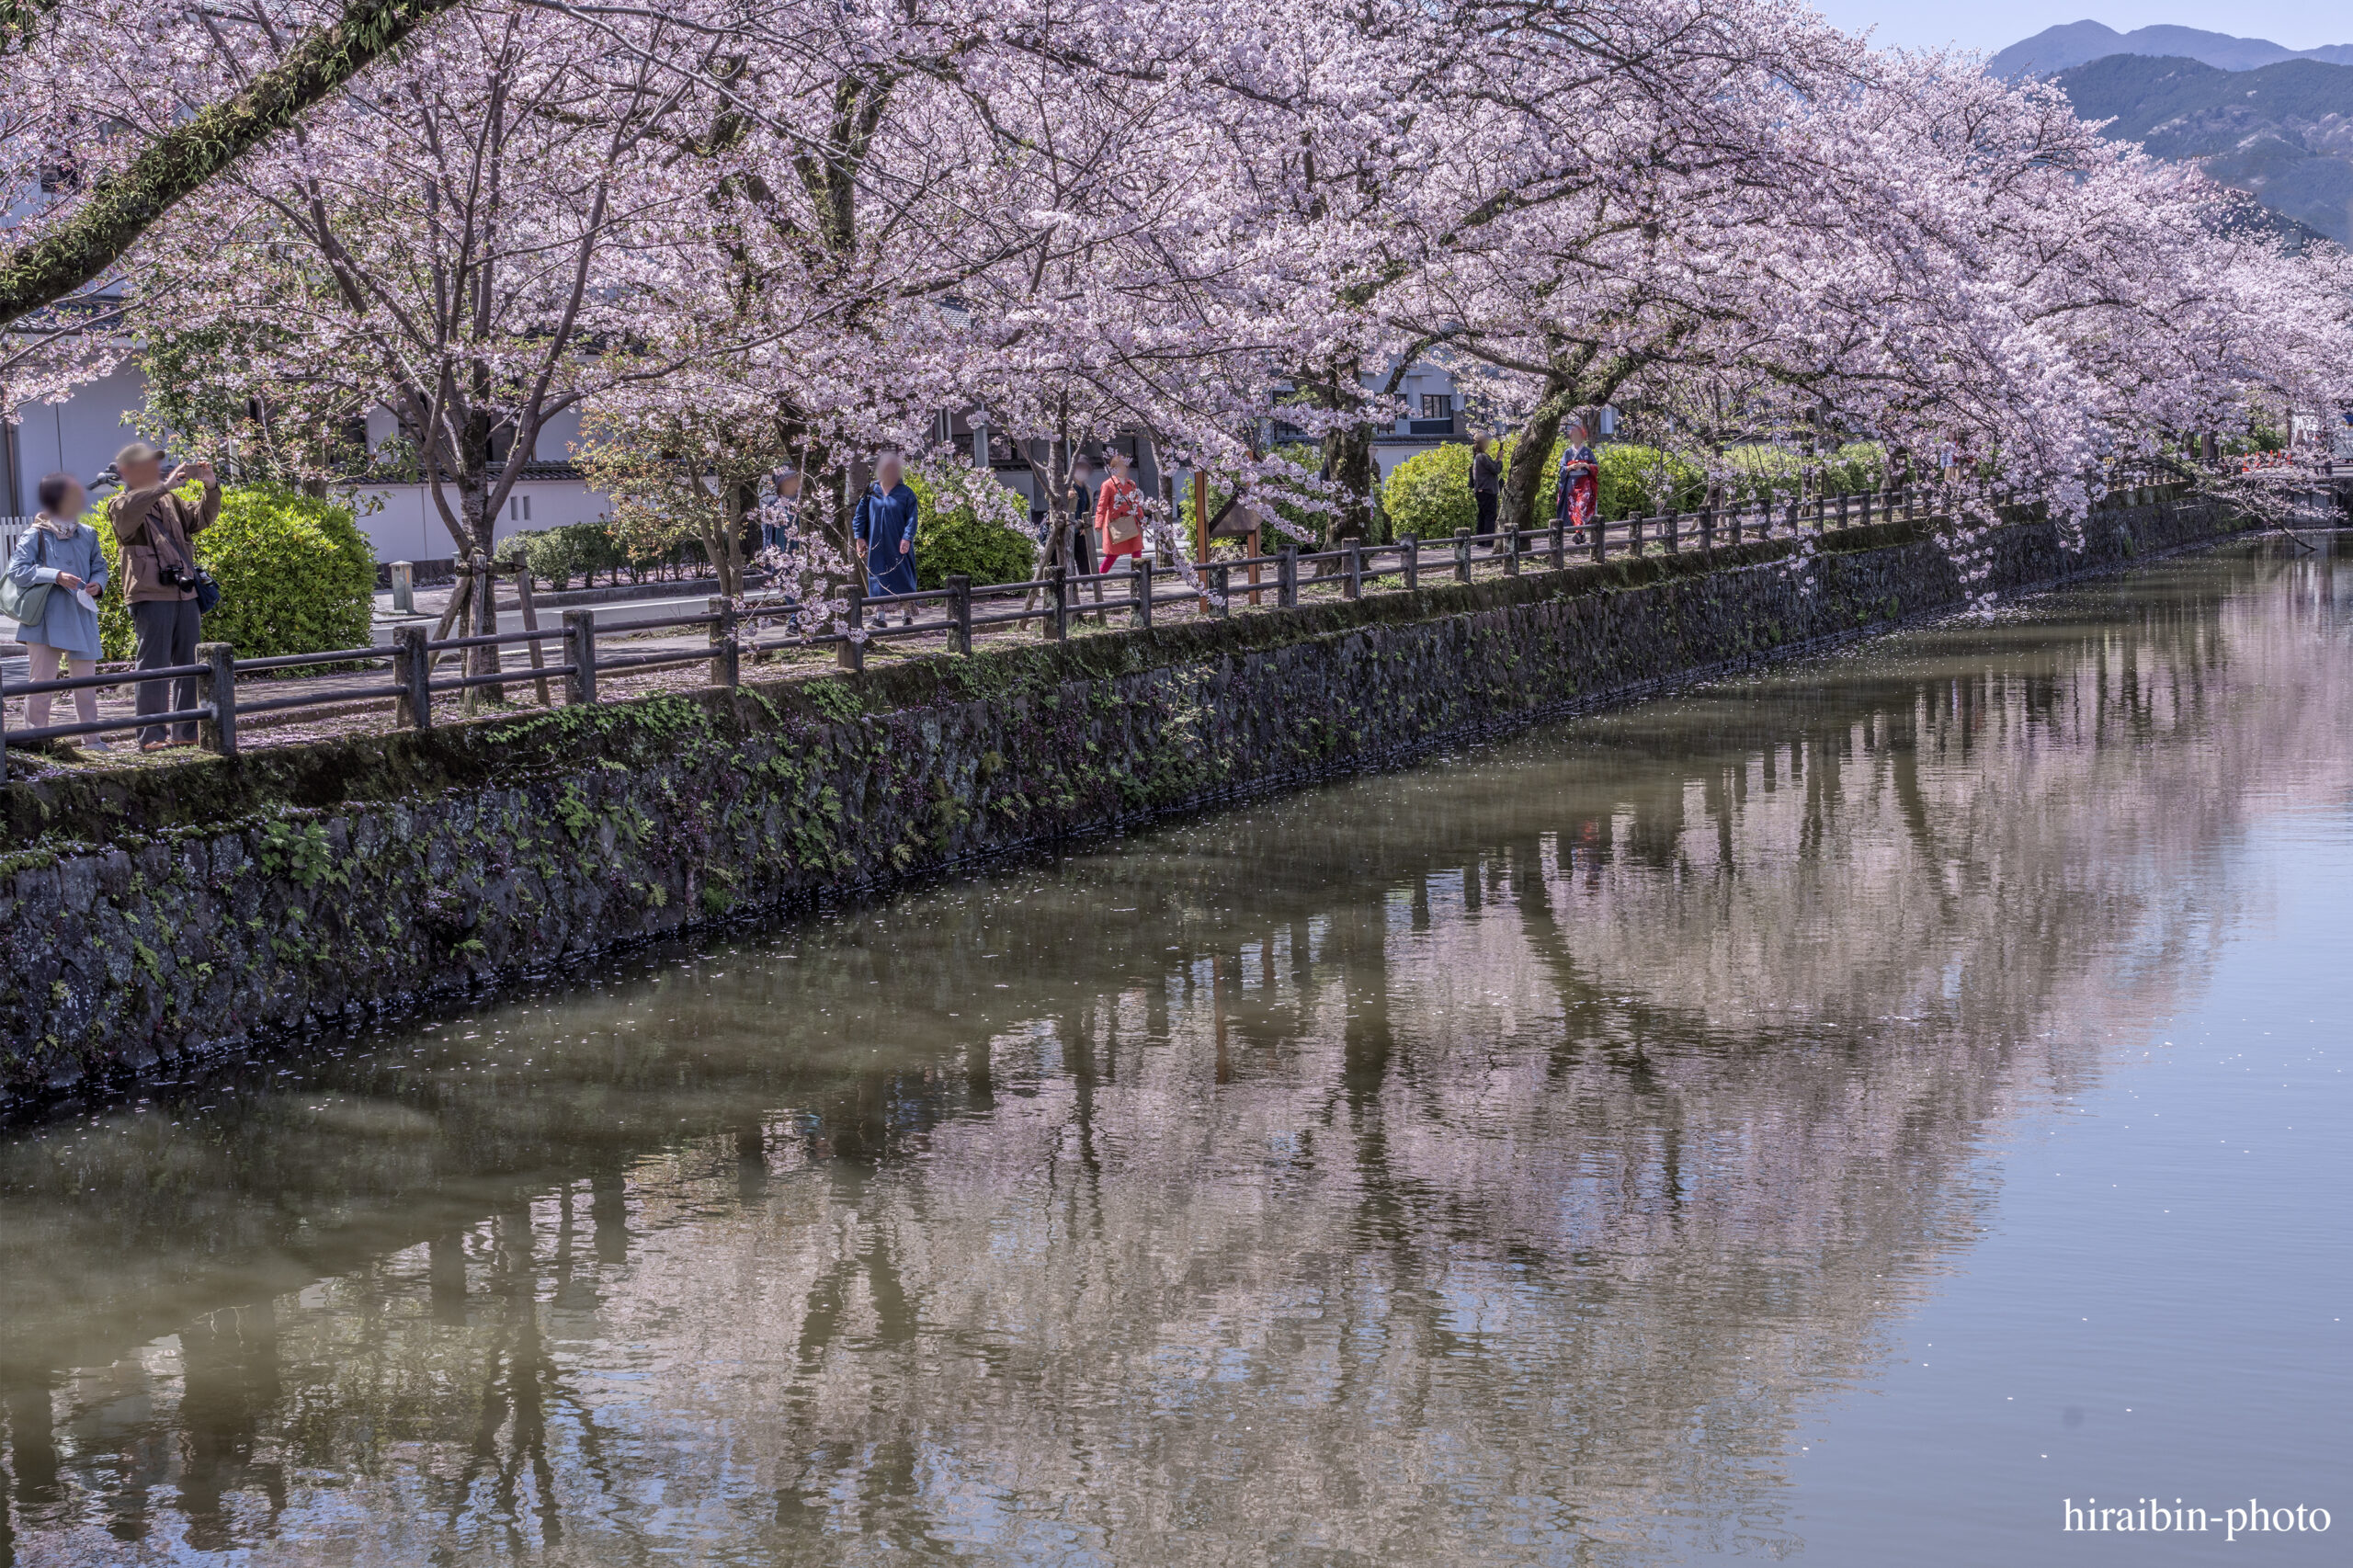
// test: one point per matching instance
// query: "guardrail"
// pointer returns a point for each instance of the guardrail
(1283, 579)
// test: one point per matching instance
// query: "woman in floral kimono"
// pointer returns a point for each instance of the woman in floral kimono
(1578, 493)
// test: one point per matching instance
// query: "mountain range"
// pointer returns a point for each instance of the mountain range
(2274, 122)
(2079, 44)
(2283, 133)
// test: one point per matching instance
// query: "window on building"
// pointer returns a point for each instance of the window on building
(1438, 405)
(518, 509)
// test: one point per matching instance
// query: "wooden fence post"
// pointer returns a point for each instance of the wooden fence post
(1144, 592)
(1058, 617)
(1559, 540)
(1511, 553)
(1708, 530)
(1355, 588)
(1287, 578)
(850, 653)
(726, 666)
(1600, 536)
(413, 673)
(486, 617)
(580, 653)
(1221, 584)
(532, 623)
(217, 732)
(960, 613)
(1674, 533)
(1463, 555)
(1409, 549)
(454, 612)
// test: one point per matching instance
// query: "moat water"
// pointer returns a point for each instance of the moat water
(1845, 1115)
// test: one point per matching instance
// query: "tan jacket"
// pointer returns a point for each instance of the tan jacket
(153, 525)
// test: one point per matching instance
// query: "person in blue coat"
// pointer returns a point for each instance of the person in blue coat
(62, 551)
(885, 529)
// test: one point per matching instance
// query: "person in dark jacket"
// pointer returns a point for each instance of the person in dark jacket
(154, 525)
(884, 527)
(1487, 481)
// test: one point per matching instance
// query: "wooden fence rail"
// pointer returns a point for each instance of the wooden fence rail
(954, 612)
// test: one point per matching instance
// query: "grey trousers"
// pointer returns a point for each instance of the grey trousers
(166, 630)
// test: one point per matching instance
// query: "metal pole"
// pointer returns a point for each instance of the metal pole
(218, 733)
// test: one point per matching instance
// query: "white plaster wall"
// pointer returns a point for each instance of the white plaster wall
(405, 524)
(78, 437)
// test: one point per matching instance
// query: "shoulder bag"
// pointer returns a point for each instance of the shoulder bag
(26, 607)
(1122, 524)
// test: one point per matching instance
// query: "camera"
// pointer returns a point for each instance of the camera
(173, 575)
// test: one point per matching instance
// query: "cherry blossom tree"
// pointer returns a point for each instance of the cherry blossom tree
(111, 114)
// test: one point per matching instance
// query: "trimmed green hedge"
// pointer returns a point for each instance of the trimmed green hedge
(556, 556)
(960, 541)
(296, 575)
(1428, 495)
(1761, 470)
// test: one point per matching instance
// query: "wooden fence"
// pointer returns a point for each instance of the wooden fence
(1281, 581)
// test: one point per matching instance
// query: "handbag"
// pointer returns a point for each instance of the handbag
(1123, 525)
(208, 592)
(26, 607)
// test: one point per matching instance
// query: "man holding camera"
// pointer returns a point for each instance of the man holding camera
(160, 577)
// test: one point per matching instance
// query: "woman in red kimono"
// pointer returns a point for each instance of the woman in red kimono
(1579, 489)
(1118, 512)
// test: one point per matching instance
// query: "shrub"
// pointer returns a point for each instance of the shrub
(577, 550)
(296, 575)
(1428, 495)
(1643, 481)
(1856, 467)
(964, 530)
(1762, 472)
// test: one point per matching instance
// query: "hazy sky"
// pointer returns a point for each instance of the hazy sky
(1990, 25)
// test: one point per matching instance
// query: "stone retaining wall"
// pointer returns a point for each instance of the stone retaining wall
(155, 910)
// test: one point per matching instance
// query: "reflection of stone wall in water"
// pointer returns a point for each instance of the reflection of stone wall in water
(1444, 1157)
(232, 898)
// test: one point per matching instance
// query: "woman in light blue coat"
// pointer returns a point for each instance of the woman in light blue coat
(62, 551)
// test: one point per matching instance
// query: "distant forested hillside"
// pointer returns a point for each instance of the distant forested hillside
(2283, 133)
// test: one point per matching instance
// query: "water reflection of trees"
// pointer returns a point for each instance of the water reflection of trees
(1477, 1163)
